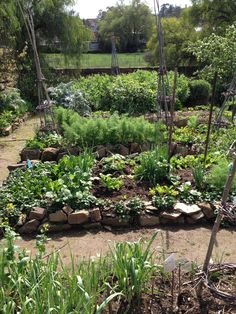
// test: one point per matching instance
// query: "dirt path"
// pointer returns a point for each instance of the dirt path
(9, 150)
(190, 243)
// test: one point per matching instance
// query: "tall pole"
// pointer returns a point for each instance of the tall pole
(218, 220)
(210, 118)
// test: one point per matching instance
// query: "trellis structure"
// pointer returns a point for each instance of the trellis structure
(115, 69)
(164, 97)
(229, 99)
(44, 103)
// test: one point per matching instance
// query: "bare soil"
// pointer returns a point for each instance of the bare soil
(10, 146)
(189, 243)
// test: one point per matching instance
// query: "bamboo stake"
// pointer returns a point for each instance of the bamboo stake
(216, 226)
(172, 109)
(210, 118)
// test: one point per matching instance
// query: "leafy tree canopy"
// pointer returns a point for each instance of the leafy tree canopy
(131, 24)
(213, 15)
(217, 53)
(52, 19)
(178, 32)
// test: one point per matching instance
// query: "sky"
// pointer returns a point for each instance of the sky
(90, 8)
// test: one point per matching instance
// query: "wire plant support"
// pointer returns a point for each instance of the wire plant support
(164, 97)
(115, 69)
(229, 99)
(44, 102)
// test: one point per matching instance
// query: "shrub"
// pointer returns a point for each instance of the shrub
(134, 93)
(153, 167)
(199, 92)
(10, 99)
(64, 95)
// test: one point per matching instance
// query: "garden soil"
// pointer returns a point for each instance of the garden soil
(188, 243)
(11, 146)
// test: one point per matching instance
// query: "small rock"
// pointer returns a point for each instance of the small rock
(171, 216)
(123, 150)
(135, 148)
(145, 147)
(101, 151)
(32, 154)
(30, 226)
(151, 208)
(148, 220)
(67, 210)
(197, 216)
(55, 227)
(37, 213)
(187, 209)
(207, 210)
(95, 225)
(7, 131)
(115, 222)
(58, 216)
(49, 154)
(95, 215)
(15, 166)
(78, 217)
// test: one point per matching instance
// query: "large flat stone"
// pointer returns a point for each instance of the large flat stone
(38, 213)
(114, 222)
(58, 216)
(187, 209)
(32, 154)
(79, 217)
(49, 154)
(171, 216)
(207, 210)
(15, 166)
(30, 226)
(148, 220)
(95, 215)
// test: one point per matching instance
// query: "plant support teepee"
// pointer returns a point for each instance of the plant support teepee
(44, 102)
(163, 85)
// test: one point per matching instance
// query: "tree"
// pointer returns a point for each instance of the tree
(217, 53)
(9, 23)
(169, 10)
(131, 24)
(178, 32)
(213, 15)
(54, 24)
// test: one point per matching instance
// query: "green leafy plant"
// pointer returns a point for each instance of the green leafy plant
(162, 190)
(133, 267)
(115, 162)
(153, 167)
(164, 203)
(111, 184)
(199, 176)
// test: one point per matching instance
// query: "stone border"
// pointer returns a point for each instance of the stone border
(15, 125)
(95, 218)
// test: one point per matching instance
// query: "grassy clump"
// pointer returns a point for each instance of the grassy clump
(42, 285)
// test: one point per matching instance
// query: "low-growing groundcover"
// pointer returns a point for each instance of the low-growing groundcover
(67, 183)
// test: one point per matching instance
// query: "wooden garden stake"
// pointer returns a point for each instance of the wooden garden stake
(172, 109)
(179, 275)
(172, 289)
(109, 304)
(210, 118)
(216, 227)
